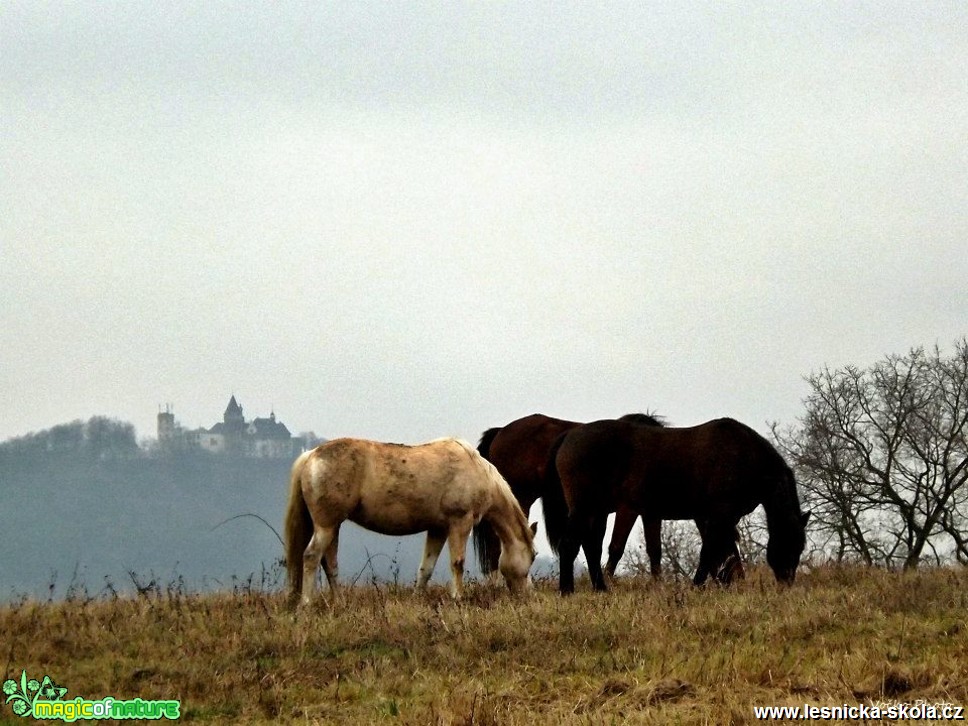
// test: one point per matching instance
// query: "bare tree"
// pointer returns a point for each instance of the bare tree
(680, 551)
(882, 459)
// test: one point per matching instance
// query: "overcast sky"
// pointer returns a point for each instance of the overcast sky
(402, 221)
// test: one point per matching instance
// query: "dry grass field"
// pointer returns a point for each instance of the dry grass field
(643, 653)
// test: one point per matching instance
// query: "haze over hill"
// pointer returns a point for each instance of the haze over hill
(83, 504)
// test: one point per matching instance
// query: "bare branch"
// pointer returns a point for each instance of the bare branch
(882, 456)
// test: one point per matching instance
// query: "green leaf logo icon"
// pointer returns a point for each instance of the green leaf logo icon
(25, 694)
(49, 691)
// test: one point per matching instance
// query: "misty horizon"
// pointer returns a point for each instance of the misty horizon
(406, 222)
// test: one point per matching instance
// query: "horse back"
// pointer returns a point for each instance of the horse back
(520, 449)
(720, 465)
(736, 445)
(397, 489)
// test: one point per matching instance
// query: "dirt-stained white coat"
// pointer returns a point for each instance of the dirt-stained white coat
(443, 487)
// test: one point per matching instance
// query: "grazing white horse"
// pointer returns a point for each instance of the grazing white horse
(443, 487)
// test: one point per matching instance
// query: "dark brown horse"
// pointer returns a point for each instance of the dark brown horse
(714, 473)
(520, 452)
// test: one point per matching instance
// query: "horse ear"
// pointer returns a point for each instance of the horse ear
(534, 528)
(804, 518)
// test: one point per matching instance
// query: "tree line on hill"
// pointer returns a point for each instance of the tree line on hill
(100, 438)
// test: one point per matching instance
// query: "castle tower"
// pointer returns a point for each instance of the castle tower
(233, 418)
(166, 425)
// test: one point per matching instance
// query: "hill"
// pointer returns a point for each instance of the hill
(644, 653)
(73, 518)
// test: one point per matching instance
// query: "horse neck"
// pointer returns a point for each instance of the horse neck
(782, 505)
(506, 518)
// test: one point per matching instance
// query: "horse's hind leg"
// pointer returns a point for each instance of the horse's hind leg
(568, 548)
(579, 534)
(624, 521)
(432, 548)
(592, 544)
(567, 552)
(330, 566)
(313, 554)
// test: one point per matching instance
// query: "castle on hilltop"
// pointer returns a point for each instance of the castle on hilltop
(260, 437)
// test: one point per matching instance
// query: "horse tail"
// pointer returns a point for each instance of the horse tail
(553, 498)
(486, 542)
(298, 527)
(487, 438)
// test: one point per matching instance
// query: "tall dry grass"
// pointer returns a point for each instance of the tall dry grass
(643, 653)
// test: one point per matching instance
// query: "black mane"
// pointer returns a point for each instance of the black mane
(644, 419)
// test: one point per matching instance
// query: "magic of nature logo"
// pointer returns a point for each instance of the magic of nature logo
(44, 699)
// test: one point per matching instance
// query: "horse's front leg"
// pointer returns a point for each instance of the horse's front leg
(717, 545)
(703, 570)
(432, 548)
(732, 567)
(457, 545)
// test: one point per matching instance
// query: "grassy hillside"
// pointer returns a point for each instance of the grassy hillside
(642, 653)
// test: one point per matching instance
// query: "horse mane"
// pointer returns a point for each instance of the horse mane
(645, 419)
(486, 543)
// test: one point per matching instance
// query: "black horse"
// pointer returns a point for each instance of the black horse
(714, 473)
(520, 452)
